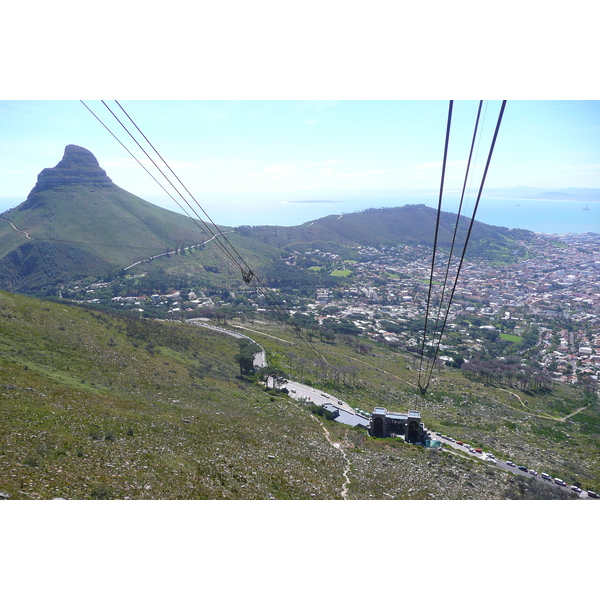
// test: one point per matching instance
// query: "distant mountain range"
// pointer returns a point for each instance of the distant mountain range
(76, 222)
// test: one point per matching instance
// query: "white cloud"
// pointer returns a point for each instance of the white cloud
(272, 172)
(228, 162)
(326, 163)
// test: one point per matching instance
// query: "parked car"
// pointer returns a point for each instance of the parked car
(522, 468)
(534, 473)
(576, 489)
(459, 442)
(592, 494)
(478, 450)
(510, 463)
(490, 459)
(558, 481)
(546, 476)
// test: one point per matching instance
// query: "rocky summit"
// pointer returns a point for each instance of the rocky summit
(78, 166)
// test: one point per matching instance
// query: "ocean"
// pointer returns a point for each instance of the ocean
(541, 216)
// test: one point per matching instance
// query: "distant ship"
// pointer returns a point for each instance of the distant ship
(586, 207)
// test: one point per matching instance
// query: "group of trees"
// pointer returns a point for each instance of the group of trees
(245, 360)
(507, 372)
(316, 369)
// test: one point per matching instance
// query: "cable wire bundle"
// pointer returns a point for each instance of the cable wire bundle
(425, 379)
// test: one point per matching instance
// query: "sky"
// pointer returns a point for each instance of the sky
(283, 161)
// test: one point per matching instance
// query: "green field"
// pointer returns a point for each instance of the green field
(340, 273)
(509, 337)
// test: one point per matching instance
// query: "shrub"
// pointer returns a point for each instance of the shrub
(101, 492)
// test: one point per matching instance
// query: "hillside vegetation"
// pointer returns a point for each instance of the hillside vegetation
(407, 225)
(94, 405)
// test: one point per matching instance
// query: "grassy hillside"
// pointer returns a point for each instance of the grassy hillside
(101, 406)
(407, 225)
(97, 407)
(82, 229)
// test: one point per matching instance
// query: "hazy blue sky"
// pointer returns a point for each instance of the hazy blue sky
(281, 151)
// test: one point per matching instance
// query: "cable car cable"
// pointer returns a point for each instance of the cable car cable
(456, 227)
(247, 274)
(437, 225)
(474, 213)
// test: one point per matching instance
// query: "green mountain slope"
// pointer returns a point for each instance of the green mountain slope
(406, 225)
(93, 406)
(76, 221)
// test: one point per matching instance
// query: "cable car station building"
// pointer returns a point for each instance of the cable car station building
(388, 424)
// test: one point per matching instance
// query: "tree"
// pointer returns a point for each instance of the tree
(245, 357)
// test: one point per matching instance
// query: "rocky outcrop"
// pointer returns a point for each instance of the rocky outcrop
(78, 166)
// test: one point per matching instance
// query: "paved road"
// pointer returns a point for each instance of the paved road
(501, 464)
(299, 390)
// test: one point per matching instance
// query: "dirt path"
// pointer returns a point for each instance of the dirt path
(16, 228)
(563, 419)
(337, 446)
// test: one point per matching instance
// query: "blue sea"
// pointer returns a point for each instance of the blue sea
(541, 216)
